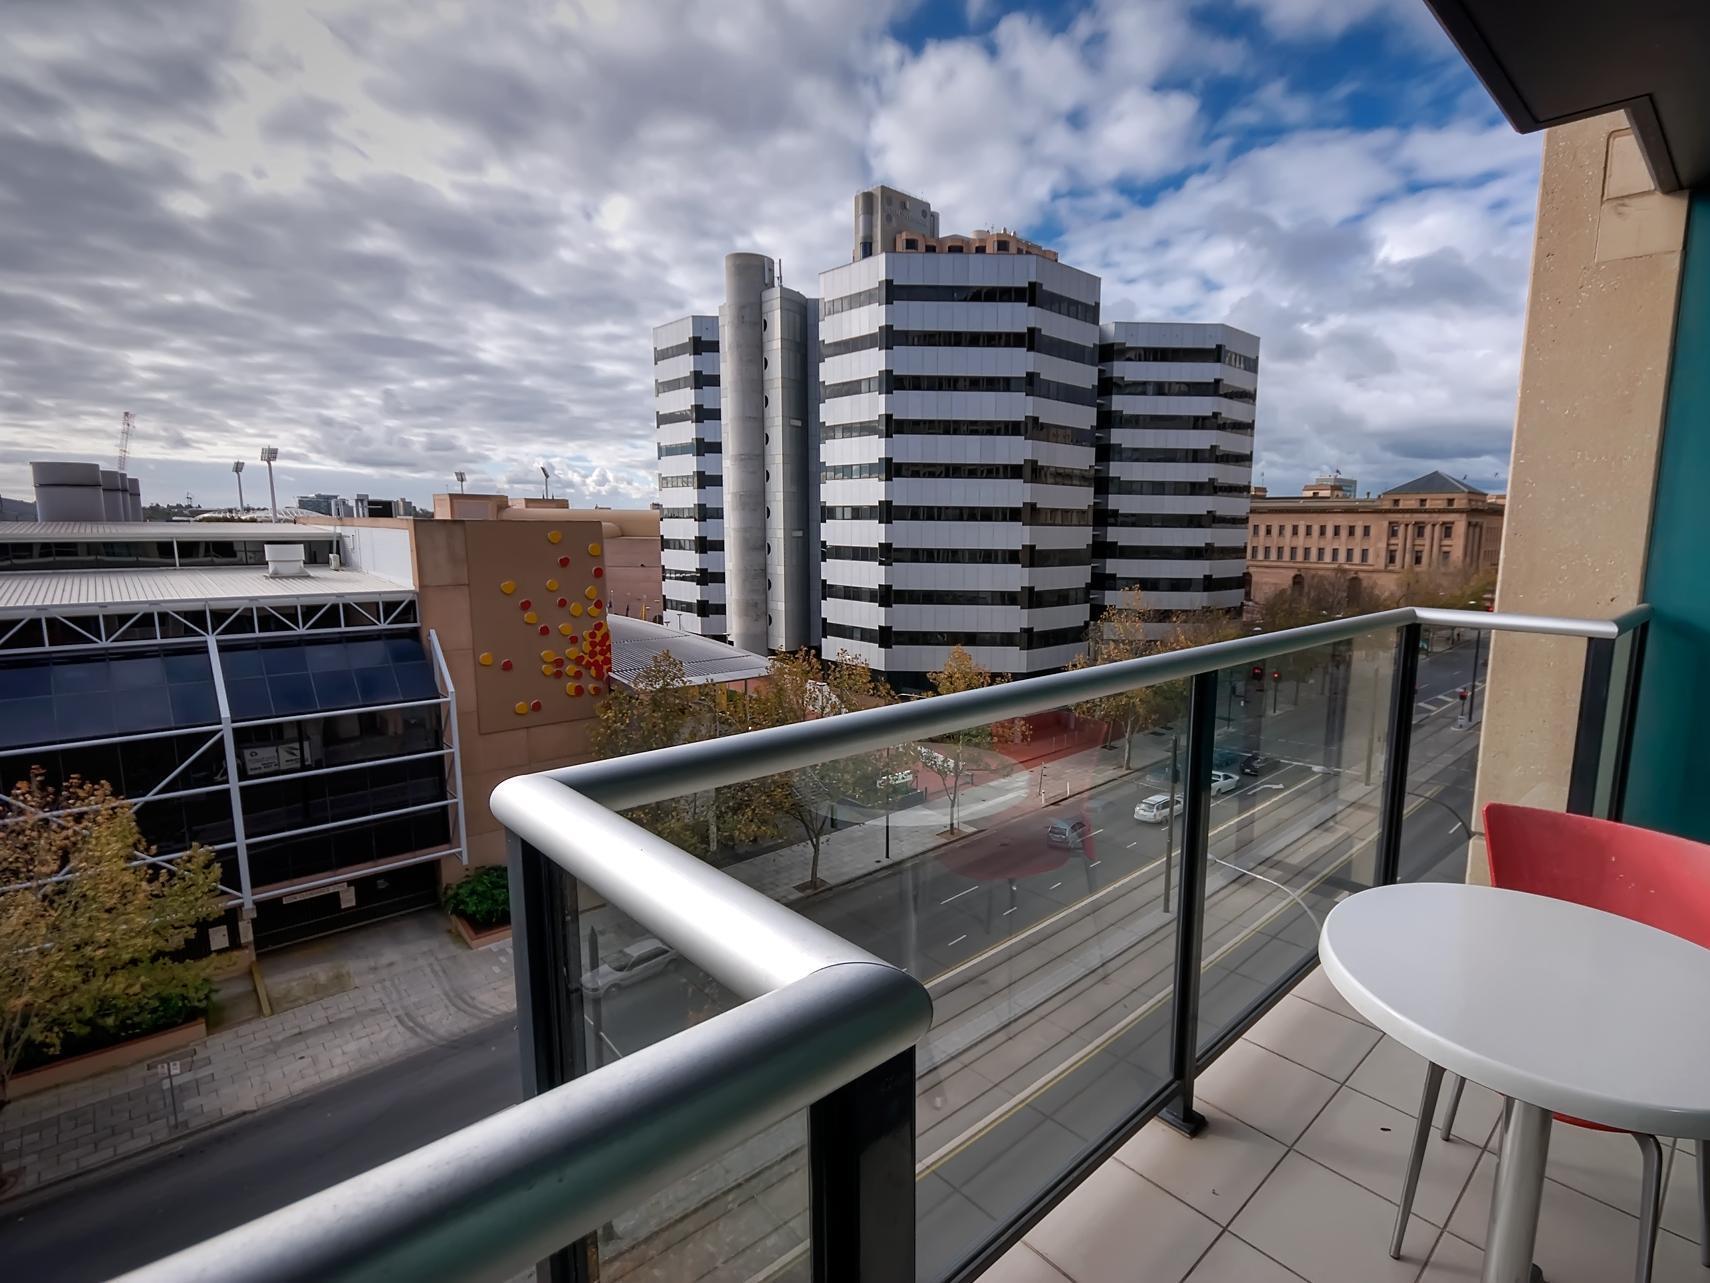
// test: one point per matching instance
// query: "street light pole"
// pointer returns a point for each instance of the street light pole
(1472, 685)
(237, 471)
(268, 455)
(461, 477)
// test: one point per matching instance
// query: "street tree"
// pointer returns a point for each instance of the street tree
(91, 922)
(802, 688)
(952, 757)
(661, 708)
(1118, 634)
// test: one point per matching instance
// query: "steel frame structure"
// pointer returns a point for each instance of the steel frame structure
(223, 734)
(106, 627)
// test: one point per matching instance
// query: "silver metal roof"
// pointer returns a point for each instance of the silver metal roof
(36, 591)
(636, 642)
(128, 531)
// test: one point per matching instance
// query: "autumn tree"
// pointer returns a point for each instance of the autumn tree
(951, 757)
(802, 688)
(91, 921)
(1128, 631)
(659, 709)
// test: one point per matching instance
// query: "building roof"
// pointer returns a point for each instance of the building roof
(636, 643)
(37, 591)
(123, 531)
(1434, 483)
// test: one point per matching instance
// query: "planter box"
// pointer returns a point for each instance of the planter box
(479, 939)
(131, 1052)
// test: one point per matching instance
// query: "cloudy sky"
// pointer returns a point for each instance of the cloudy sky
(401, 237)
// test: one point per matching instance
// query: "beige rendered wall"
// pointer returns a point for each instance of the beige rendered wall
(459, 567)
(1594, 369)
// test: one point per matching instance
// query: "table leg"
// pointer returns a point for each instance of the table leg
(1518, 1194)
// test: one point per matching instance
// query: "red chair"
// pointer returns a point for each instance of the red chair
(1654, 878)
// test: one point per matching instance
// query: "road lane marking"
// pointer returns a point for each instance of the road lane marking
(1009, 910)
(960, 894)
(958, 1144)
(958, 940)
(999, 945)
(1133, 844)
(1096, 832)
(1053, 886)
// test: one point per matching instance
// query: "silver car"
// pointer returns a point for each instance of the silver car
(646, 957)
(1157, 808)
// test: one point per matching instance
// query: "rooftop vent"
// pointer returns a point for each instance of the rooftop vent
(284, 560)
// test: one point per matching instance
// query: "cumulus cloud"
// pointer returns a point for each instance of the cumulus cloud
(398, 238)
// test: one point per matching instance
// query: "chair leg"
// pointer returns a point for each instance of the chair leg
(1453, 1106)
(1703, 1147)
(1650, 1205)
(1416, 1156)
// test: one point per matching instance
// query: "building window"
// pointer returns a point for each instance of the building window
(1267, 555)
(1254, 551)
(1418, 556)
(1335, 554)
(1418, 529)
(1421, 503)
(1365, 532)
(1394, 529)
(1445, 556)
(1321, 554)
(1448, 529)
(1364, 556)
(1295, 530)
(1391, 560)
(1321, 532)
(1448, 503)
(1294, 554)
(1336, 531)
(1255, 527)
(1267, 529)
(1395, 503)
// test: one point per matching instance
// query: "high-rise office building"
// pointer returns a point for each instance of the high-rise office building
(691, 519)
(1175, 464)
(959, 383)
(738, 430)
(946, 450)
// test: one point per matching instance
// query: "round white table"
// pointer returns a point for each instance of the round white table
(1558, 1007)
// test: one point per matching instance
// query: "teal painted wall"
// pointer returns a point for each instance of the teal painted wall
(1668, 785)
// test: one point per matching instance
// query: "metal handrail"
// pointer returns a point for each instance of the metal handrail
(640, 778)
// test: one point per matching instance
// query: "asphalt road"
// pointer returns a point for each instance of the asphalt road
(132, 1213)
(932, 915)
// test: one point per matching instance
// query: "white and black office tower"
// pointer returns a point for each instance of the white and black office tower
(1175, 464)
(687, 428)
(959, 383)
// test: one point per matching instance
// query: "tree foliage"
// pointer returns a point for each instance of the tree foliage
(88, 931)
(952, 757)
(803, 688)
(1128, 630)
(660, 709)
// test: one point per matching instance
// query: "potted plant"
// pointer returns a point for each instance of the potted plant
(480, 905)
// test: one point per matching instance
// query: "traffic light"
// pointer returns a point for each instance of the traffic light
(1276, 676)
(1258, 672)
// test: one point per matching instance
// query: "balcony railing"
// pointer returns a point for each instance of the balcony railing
(900, 1071)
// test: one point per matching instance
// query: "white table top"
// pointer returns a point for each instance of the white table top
(1570, 1008)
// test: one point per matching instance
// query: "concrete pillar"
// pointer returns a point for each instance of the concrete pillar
(742, 405)
(1593, 382)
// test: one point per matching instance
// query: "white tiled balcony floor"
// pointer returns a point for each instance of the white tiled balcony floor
(1297, 1176)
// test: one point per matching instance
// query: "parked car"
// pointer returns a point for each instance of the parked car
(1227, 759)
(1224, 782)
(1257, 764)
(1158, 808)
(1066, 832)
(646, 957)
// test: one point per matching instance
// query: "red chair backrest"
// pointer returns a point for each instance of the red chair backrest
(1650, 877)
